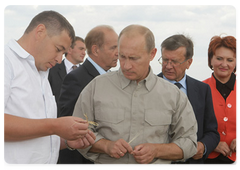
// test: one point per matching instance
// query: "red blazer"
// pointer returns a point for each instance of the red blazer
(225, 112)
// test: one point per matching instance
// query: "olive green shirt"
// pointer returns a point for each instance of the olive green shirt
(155, 108)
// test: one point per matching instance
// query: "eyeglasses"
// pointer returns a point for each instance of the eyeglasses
(174, 63)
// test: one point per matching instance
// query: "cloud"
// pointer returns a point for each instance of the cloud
(201, 22)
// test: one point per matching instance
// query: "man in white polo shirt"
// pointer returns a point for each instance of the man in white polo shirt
(31, 130)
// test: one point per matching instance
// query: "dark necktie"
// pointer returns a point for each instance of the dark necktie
(178, 85)
(74, 67)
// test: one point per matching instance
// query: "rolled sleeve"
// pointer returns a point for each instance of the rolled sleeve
(184, 127)
(90, 155)
(84, 105)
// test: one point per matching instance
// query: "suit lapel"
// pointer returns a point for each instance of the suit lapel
(62, 70)
(192, 91)
(160, 75)
(90, 68)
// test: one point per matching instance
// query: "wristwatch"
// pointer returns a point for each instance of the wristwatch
(71, 149)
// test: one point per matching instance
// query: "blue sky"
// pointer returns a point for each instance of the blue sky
(200, 22)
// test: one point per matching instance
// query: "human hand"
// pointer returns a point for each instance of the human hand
(118, 149)
(200, 151)
(233, 146)
(70, 128)
(223, 148)
(83, 142)
(144, 153)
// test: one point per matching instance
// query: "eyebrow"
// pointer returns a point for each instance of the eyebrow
(61, 47)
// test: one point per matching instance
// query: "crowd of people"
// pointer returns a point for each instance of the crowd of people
(74, 112)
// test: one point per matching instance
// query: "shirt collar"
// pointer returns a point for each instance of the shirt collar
(182, 81)
(99, 69)
(68, 65)
(230, 84)
(148, 81)
(13, 45)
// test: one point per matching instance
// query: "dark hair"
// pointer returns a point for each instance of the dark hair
(217, 42)
(174, 42)
(96, 37)
(142, 30)
(76, 39)
(74, 43)
(54, 22)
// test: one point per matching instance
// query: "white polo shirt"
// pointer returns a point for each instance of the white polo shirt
(27, 94)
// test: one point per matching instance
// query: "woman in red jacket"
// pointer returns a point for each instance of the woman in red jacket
(222, 60)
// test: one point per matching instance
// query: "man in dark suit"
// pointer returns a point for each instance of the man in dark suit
(74, 57)
(101, 44)
(177, 52)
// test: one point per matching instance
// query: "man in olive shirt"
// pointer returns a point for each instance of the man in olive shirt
(141, 117)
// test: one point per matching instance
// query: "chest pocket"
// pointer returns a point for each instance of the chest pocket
(157, 118)
(109, 115)
(157, 126)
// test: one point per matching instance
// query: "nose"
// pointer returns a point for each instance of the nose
(169, 64)
(224, 63)
(116, 52)
(127, 65)
(84, 52)
(59, 58)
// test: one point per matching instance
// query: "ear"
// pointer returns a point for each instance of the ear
(40, 31)
(189, 62)
(153, 54)
(94, 50)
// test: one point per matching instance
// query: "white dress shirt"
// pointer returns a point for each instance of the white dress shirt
(69, 65)
(27, 94)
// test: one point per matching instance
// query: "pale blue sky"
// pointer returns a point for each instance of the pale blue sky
(200, 22)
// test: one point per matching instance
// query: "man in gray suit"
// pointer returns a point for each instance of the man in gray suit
(74, 57)
(101, 44)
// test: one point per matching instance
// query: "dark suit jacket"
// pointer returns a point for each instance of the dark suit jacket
(72, 85)
(200, 97)
(56, 77)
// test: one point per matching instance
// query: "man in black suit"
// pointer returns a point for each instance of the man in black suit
(101, 44)
(74, 57)
(177, 52)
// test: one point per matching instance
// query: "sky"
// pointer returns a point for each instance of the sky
(199, 22)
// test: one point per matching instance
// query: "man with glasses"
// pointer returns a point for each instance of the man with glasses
(177, 52)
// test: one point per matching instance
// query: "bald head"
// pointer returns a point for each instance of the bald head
(96, 36)
(136, 30)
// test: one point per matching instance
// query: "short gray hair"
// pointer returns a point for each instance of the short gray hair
(179, 40)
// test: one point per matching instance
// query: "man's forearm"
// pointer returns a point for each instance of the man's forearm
(18, 128)
(168, 151)
(100, 146)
